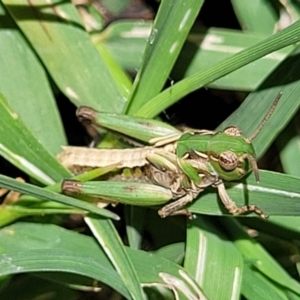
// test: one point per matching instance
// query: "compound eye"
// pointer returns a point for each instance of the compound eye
(233, 131)
(228, 160)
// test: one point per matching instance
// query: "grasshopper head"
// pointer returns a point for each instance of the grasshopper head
(233, 155)
(238, 156)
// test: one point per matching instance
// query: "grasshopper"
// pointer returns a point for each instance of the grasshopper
(180, 164)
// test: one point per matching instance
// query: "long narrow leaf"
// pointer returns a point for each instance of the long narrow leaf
(108, 238)
(276, 194)
(170, 29)
(20, 147)
(285, 80)
(265, 14)
(55, 32)
(261, 260)
(24, 84)
(172, 94)
(45, 247)
(126, 41)
(207, 247)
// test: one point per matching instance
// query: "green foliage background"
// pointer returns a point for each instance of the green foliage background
(44, 49)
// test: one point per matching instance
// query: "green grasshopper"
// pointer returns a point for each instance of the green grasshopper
(176, 166)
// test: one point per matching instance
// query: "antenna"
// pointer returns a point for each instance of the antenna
(266, 118)
(253, 163)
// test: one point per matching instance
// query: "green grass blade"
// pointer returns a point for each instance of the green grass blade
(264, 288)
(154, 270)
(216, 45)
(120, 78)
(21, 148)
(174, 252)
(284, 79)
(206, 247)
(126, 41)
(24, 84)
(172, 94)
(46, 247)
(259, 257)
(289, 144)
(276, 194)
(265, 14)
(56, 34)
(10, 212)
(172, 24)
(108, 238)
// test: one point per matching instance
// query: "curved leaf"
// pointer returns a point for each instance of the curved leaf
(55, 32)
(28, 247)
